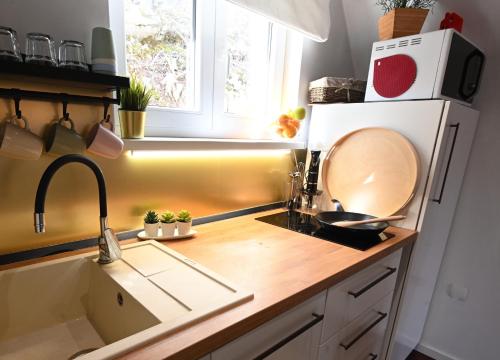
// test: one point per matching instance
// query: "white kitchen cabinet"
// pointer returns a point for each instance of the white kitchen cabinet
(304, 319)
(362, 339)
(353, 296)
(453, 147)
(442, 133)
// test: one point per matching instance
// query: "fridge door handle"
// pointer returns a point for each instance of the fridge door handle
(448, 163)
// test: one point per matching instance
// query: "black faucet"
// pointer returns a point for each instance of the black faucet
(109, 248)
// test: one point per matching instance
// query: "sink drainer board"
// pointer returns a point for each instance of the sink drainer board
(56, 309)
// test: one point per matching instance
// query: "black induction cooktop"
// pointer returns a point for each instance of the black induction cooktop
(308, 225)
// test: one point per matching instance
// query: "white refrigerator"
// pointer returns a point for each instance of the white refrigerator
(442, 133)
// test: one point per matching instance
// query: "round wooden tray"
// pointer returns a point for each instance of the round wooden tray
(372, 171)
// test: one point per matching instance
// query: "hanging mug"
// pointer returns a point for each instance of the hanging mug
(19, 142)
(61, 140)
(103, 141)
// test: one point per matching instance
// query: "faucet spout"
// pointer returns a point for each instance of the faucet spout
(109, 247)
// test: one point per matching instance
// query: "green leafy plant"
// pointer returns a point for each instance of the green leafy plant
(151, 217)
(389, 5)
(168, 217)
(184, 216)
(135, 98)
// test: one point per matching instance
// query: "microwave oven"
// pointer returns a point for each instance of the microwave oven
(437, 65)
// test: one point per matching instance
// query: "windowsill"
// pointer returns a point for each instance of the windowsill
(166, 143)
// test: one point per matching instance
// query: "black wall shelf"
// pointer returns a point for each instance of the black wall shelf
(13, 70)
(68, 77)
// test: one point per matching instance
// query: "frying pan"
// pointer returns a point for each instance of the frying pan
(327, 218)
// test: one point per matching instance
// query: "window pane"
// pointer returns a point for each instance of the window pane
(247, 60)
(160, 49)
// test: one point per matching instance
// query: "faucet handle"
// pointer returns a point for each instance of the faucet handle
(109, 247)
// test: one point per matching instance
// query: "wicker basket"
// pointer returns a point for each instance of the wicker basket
(336, 90)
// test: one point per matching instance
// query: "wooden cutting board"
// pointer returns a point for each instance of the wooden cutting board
(372, 171)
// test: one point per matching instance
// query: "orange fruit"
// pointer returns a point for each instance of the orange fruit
(284, 119)
(295, 123)
(289, 131)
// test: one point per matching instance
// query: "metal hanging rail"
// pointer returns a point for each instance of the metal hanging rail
(58, 97)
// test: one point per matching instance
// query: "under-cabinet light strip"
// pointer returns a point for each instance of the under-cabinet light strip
(159, 154)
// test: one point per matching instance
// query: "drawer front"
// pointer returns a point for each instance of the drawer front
(354, 295)
(363, 338)
(279, 334)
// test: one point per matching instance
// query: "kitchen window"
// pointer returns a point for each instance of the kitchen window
(217, 69)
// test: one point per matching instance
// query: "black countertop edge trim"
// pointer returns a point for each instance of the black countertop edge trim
(82, 244)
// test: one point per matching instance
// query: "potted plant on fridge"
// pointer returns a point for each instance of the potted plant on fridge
(167, 223)
(184, 222)
(402, 17)
(151, 221)
(132, 112)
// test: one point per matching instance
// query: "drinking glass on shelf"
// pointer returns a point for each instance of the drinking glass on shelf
(9, 47)
(40, 49)
(72, 55)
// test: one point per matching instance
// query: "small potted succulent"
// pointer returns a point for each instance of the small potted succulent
(167, 223)
(151, 221)
(184, 222)
(402, 17)
(132, 112)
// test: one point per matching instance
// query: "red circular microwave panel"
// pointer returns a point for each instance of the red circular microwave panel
(394, 75)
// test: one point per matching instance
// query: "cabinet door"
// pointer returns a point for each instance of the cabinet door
(349, 299)
(294, 335)
(453, 148)
(362, 339)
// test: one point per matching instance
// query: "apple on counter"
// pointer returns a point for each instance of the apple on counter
(288, 124)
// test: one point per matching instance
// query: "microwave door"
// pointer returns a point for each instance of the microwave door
(463, 70)
(471, 75)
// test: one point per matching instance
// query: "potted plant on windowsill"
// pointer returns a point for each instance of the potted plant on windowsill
(151, 221)
(402, 17)
(184, 222)
(167, 223)
(132, 112)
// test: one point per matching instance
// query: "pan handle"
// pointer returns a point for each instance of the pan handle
(448, 163)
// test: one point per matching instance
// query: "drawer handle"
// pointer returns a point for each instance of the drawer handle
(298, 332)
(381, 317)
(389, 272)
(373, 356)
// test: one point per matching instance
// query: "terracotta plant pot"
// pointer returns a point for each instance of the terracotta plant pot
(132, 124)
(401, 22)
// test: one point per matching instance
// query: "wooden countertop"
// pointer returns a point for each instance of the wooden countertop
(282, 268)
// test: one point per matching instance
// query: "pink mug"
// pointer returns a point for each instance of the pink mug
(104, 142)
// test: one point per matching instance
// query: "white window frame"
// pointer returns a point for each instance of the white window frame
(209, 119)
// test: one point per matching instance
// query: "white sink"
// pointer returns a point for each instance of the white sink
(60, 308)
